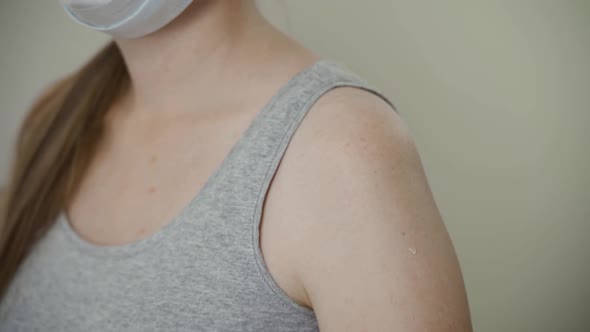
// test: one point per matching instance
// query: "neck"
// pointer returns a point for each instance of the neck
(191, 54)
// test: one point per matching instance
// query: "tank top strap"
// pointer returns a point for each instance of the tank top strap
(256, 157)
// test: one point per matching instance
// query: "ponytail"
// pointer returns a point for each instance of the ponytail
(53, 150)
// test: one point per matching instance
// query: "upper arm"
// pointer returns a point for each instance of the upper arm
(377, 256)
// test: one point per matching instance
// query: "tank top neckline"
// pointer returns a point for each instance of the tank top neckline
(150, 241)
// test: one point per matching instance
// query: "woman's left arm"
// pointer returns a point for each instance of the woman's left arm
(378, 256)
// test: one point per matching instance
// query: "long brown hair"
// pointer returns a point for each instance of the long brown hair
(54, 147)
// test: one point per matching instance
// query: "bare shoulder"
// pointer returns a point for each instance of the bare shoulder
(373, 251)
(350, 134)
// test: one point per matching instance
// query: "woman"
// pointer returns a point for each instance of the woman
(173, 184)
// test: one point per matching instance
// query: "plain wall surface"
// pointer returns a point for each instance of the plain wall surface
(497, 94)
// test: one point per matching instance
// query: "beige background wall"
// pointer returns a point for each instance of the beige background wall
(497, 93)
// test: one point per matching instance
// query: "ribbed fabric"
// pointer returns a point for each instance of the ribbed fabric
(203, 271)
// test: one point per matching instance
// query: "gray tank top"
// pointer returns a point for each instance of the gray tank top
(204, 271)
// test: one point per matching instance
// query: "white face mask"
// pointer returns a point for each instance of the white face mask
(125, 18)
